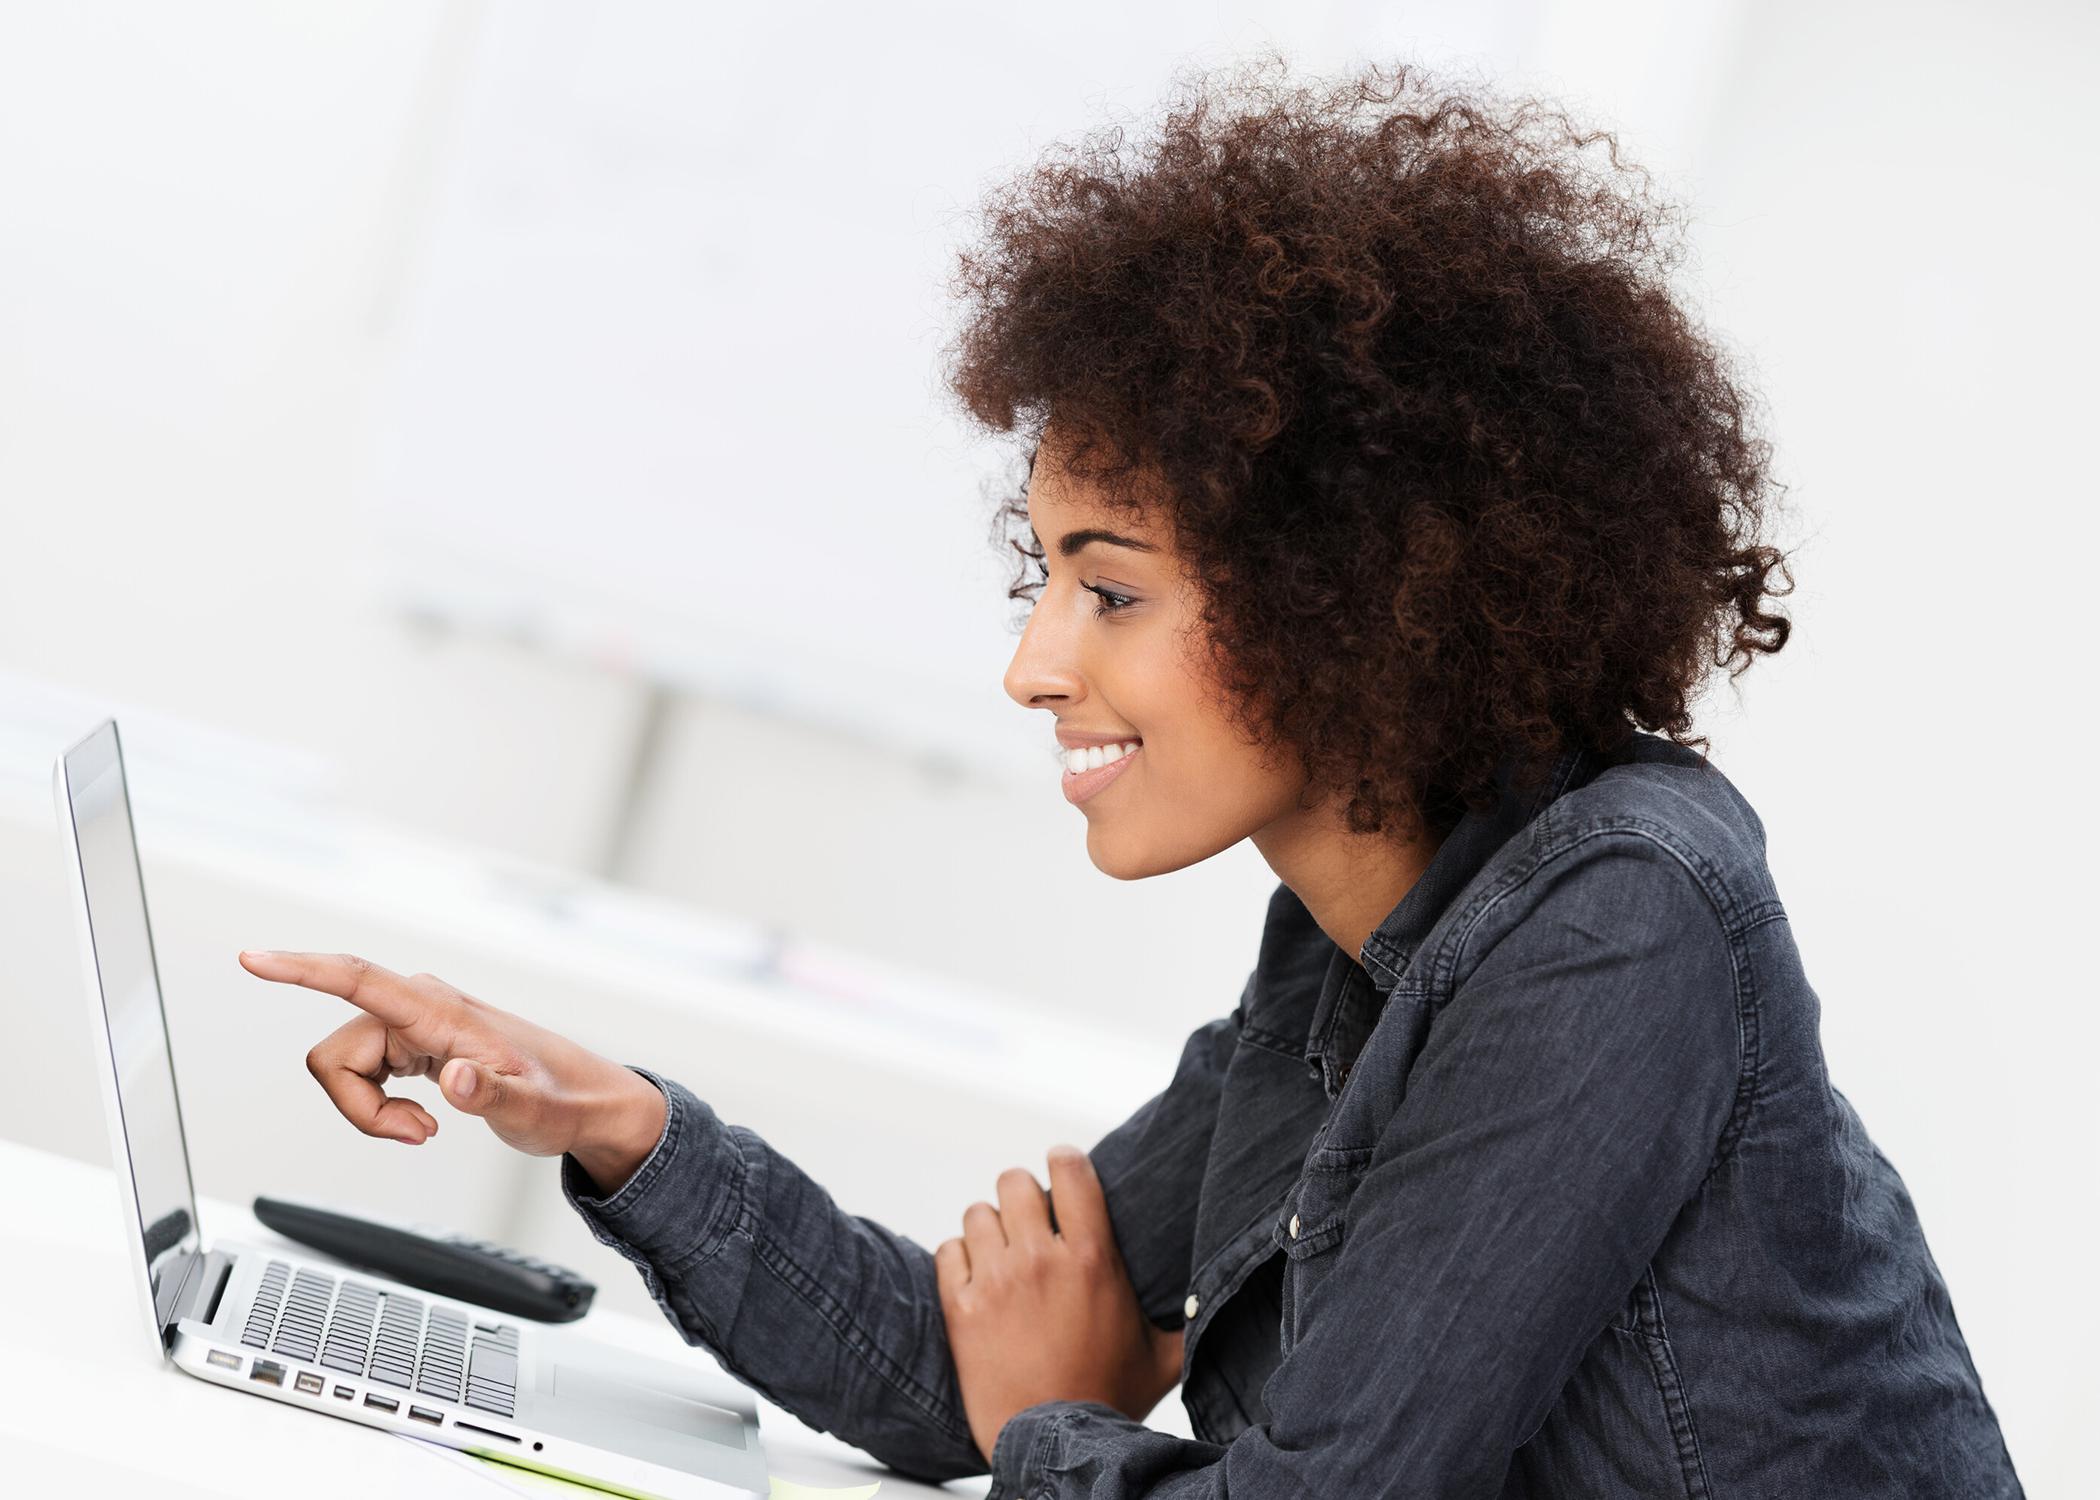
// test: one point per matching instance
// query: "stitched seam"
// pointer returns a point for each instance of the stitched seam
(1338, 1159)
(732, 1210)
(803, 1285)
(1764, 916)
(1669, 1385)
(1039, 1454)
(1261, 1219)
(1376, 953)
(1273, 1041)
(1691, 1425)
(1310, 1242)
(1749, 1061)
(1316, 1237)
(659, 1158)
(1259, 1228)
(1323, 1043)
(1717, 894)
(1750, 1038)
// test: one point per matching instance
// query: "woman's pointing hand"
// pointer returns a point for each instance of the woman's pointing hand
(540, 1093)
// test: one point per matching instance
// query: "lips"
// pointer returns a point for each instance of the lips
(1073, 739)
(1080, 785)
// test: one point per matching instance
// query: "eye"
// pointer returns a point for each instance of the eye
(1111, 603)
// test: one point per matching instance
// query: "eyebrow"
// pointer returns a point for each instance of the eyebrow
(1071, 542)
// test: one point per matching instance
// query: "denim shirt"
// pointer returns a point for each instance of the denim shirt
(1546, 1192)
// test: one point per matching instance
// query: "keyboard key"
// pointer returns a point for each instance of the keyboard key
(493, 1366)
(491, 1400)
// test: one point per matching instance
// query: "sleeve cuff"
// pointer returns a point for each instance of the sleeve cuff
(684, 1197)
(1031, 1445)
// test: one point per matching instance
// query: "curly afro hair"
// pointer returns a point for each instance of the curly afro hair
(1458, 480)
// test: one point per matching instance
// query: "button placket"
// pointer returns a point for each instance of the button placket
(1308, 1239)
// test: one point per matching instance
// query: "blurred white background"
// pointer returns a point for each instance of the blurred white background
(491, 458)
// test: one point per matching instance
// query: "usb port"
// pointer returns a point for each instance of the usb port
(268, 1371)
(425, 1414)
(384, 1403)
(309, 1382)
(225, 1359)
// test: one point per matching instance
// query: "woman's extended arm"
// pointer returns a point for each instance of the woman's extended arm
(837, 1318)
(831, 1316)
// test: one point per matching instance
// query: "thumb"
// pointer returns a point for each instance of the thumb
(469, 1087)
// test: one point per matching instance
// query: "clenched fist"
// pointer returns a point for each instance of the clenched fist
(1037, 1313)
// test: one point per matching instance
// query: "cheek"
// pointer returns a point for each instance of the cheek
(1197, 780)
(1201, 779)
(1190, 803)
(1167, 696)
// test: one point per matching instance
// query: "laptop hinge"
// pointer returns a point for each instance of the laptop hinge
(203, 1283)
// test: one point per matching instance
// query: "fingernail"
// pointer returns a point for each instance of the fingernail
(465, 1087)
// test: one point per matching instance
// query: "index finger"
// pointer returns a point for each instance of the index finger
(366, 985)
(1076, 1197)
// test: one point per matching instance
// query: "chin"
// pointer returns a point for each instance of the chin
(1124, 857)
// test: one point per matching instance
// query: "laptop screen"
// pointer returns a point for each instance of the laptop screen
(131, 1003)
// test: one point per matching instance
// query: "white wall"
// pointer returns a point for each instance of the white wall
(1898, 220)
(217, 220)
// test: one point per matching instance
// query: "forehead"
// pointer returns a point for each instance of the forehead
(1060, 502)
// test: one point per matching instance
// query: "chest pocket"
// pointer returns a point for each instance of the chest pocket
(1314, 1222)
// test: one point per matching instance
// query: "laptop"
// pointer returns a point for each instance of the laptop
(304, 1330)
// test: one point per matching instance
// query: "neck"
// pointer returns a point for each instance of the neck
(1349, 882)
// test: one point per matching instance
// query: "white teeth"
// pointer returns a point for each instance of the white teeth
(1093, 757)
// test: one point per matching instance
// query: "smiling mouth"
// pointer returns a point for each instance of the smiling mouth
(1092, 757)
(1080, 785)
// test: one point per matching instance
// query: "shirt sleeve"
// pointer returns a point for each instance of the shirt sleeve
(836, 1318)
(1566, 1106)
(1151, 1170)
(828, 1315)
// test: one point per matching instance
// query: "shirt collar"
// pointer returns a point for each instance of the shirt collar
(1353, 990)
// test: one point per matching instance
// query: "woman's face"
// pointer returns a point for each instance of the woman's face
(1126, 664)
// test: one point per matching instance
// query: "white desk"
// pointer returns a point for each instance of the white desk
(87, 1410)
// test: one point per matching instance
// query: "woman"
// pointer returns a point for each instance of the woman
(1385, 510)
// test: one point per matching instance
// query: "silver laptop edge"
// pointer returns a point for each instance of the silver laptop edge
(582, 1410)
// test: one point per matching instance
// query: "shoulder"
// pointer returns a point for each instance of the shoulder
(1655, 841)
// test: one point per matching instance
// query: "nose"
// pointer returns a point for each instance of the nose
(1044, 671)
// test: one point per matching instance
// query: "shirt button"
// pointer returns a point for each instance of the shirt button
(1294, 1226)
(1188, 1308)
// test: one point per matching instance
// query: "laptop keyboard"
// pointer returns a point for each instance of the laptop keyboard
(387, 1337)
